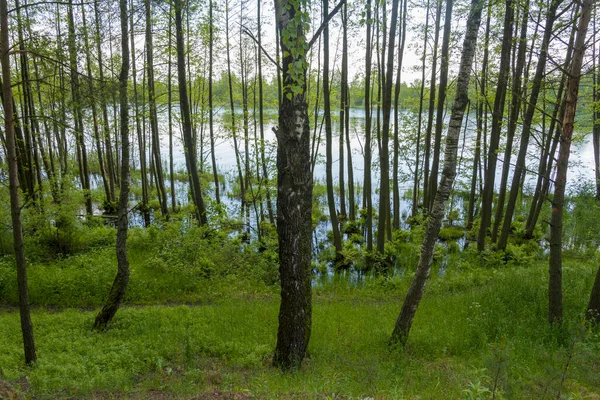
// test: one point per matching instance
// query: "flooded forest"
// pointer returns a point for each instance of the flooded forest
(345, 199)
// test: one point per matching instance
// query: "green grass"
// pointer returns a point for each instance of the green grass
(476, 327)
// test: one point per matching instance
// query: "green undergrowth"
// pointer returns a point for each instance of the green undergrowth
(477, 329)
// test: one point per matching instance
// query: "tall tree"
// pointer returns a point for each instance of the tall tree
(335, 227)
(497, 115)
(367, 175)
(188, 142)
(431, 109)
(396, 155)
(84, 173)
(384, 188)
(294, 190)
(415, 293)
(155, 147)
(415, 200)
(211, 127)
(119, 286)
(439, 119)
(515, 107)
(13, 181)
(527, 124)
(555, 311)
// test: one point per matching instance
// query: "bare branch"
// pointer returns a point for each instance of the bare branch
(329, 17)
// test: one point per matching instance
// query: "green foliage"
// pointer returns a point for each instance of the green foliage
(479, 331)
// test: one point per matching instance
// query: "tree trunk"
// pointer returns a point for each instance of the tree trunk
(515, 106)
(427, 198)
(415, 200)
(384, 188)
(527, 125)
(367, 177)
(211, 127)
(335, 227)
(556, 221)
(497, 115)
(294, 192)
(160, 179)
(138, 127)
(188, 142)
(441, 103)
(78, 115)
(119, 286)
(415, 293)
(106, 127)
(15, 207)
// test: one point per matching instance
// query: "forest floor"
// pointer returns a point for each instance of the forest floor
(478, 335)
(200, 322)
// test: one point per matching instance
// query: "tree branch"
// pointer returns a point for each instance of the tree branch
(249, 33)
(329, 17)
(62, 3)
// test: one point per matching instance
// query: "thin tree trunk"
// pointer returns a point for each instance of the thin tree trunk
(261, 121)
(367, 177)
(416, 186)
(78, 115)
(189, 145)
(211, 127)
(481, 105)
(106, 127)
(160, 179)
(119, 286)
(515, 106)
(427, 198)
(335, 227)
(138, 126)
(555, 310)
(441, 103)
(396, 155)
(415, 293)
(497, 115)
(384, 189)
(527, 125)
(88, 61)
(15, 207)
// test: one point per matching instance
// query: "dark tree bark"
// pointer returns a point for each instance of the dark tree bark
(111, 170)
(415, 200)
(548, 157)
(515, 107)
(93, 105)
(396, 155)
(119, 286)
(15, 207)
(497, 115)
(555, 266)
(335, 226)
(427, 198)
(261, 122)
(155, 148)
(441, 103)
(384, 188)
(527, 125)
(211, 128)
(415, 293)
(481, 111)
(170, 107)
(145, 210)
(84, 174)
(294, 192)
(367, 177)
(188, 142)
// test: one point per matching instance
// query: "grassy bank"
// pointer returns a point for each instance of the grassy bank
(480, 331)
